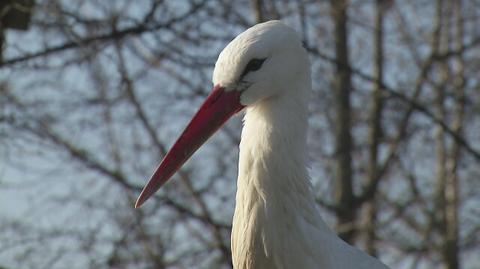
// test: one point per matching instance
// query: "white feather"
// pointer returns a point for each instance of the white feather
(276, 222)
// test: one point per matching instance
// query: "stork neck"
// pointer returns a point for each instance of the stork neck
(272, 151)
(274, 202)
(273, 190)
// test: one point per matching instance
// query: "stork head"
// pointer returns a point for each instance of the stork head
(260, 63)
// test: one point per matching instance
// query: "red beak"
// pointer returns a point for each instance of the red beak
(217, 108)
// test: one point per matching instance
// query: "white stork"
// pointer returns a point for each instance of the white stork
(276, 222)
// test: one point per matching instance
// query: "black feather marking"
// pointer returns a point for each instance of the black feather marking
(253, 65)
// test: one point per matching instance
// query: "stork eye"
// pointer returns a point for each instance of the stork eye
(253, 65)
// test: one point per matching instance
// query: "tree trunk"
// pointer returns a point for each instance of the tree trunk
(448, 156)
(344, 196)
(451, 192)
(375, 131)
(258, 10)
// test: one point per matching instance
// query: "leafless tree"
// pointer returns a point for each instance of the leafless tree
(93, 94)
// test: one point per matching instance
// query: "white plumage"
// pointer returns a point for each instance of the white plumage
(276, 222)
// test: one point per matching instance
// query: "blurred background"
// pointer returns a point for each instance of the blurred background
(93, 93)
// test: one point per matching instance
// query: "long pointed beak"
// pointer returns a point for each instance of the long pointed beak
(217, 108)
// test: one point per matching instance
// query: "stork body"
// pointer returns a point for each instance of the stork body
(276, 222)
